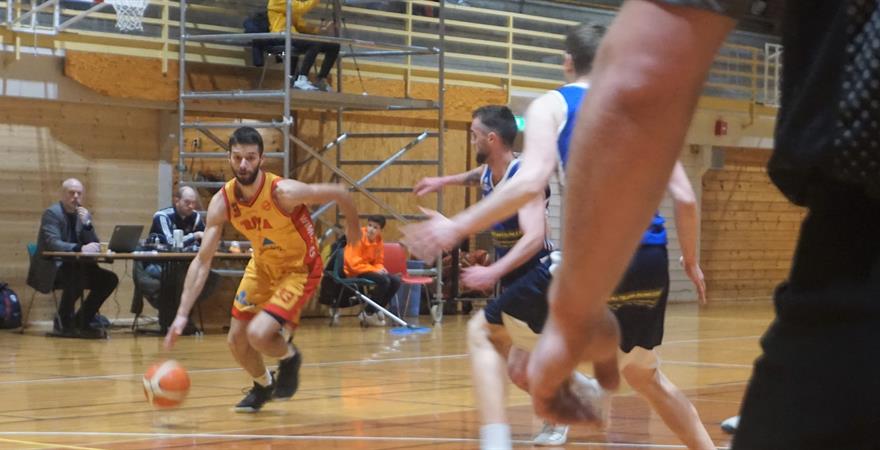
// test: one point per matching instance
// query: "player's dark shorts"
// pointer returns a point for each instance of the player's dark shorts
(525, 298)
(639, 302)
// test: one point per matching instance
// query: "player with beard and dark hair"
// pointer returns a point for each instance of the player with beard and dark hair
(271, 212)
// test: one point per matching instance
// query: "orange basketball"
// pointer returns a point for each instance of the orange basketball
(166, 384)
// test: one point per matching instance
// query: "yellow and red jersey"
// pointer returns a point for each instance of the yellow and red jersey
(285, 241)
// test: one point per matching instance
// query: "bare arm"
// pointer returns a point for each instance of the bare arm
(645, 85)
(532, 222)
(539, 160)
(434, 184)
(687, 225)
(200, 266)
(291, 193)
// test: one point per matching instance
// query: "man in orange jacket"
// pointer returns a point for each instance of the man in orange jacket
(366, 260)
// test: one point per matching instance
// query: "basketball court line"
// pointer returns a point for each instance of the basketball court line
(378, 361)
(283, 437)
(236, 369)
(46, 444)
(694, 341)
(705, 364)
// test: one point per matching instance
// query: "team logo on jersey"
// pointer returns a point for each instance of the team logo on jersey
(266, 205)
(241, 298)
(236, 212)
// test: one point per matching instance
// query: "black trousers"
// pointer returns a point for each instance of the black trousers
(310, 51)
(817, 383)
(386, 286)
(74, 278)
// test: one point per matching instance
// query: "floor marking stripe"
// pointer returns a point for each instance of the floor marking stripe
(47, 445)
(282, 437)
(234, 369)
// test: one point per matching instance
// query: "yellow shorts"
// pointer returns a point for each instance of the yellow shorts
(283, 293)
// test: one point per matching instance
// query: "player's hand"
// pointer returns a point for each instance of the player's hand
(479, 278)
(695, 273)
(91, 247)
(427, 185)
(563, 344)
(383, 271)
(427, 239)
(84, 215)
(174, 331)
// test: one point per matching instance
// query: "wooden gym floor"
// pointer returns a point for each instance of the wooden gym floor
(360, 389)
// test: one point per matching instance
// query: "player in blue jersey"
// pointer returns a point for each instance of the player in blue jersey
(639, 301)
(521, 265)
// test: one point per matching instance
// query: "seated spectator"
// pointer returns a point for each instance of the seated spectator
(277, 12)
(365, 259)
(67, 227)
(182, 215)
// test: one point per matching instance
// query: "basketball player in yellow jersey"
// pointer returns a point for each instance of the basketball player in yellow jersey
(282, 274)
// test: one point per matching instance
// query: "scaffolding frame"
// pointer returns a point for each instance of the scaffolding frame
(290, 100)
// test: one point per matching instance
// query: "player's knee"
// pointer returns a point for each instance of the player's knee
(259, 337)
(640, 378)
(236, 340)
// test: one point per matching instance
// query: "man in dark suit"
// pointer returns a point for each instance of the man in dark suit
(67, 226)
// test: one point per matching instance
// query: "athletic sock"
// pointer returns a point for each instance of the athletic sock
(290, 352)
(265, 379)
(495, 436)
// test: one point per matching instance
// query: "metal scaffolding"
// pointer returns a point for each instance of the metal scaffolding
(288, 100)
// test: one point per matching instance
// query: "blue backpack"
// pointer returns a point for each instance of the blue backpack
(10, 308)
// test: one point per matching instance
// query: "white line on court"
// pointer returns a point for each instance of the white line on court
(234, 369)
(357, 361)
(283, 437)
(704, 364)
(730, 338)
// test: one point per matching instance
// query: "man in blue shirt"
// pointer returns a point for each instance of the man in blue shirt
(181, 216)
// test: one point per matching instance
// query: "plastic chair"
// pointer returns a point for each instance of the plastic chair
(337, 273)
(32, 252)
(395, 263)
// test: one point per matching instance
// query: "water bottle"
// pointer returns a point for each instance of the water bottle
(178, 238)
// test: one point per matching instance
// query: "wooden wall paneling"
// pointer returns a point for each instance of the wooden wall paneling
(749, 228)
(112, 150)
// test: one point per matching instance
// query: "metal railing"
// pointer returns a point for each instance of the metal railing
(484, 47)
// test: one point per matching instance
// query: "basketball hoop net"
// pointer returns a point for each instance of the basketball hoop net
(129, 14)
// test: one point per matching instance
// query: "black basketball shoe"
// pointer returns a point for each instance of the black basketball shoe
(256, 397)
(287, 381)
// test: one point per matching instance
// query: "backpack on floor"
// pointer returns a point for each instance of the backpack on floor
(10, 308)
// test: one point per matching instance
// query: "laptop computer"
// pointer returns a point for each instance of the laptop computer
(125, 238)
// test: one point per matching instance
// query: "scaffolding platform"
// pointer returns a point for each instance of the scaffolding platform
(309, 100)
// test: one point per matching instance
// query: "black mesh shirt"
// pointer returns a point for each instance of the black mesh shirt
(828, 129)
